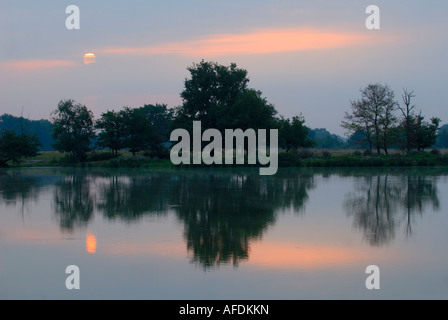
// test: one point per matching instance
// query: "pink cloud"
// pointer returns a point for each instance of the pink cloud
(36, 64)
(257, 42)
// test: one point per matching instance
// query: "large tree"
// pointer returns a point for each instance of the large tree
(373, 115)
(73, 129)
(249, 111)
(211, 89)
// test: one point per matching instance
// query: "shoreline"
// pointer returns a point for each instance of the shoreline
(300, 159)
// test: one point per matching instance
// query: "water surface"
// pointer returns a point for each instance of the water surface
(223, 233)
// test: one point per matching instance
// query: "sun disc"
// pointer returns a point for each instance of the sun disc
(89, 58)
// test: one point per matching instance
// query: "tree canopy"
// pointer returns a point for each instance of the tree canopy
(373, 115)
(137, 129)
(15, 147)
(40, 128)
(219, 97)
(211, 88)
(73, 129)
(294, 134)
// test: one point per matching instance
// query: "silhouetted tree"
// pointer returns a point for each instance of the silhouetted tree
(293, 134)
(211, 87)
(139, 133)
(406, 110)
(73, 129)
(15, 147)
(424, 133)
(111, 135)
(160, 118)
(373, 115)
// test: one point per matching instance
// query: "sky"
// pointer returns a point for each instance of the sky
(308, 57)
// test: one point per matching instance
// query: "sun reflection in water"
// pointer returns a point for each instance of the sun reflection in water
(90, 243)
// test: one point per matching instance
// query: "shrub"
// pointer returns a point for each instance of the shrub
(99, 156)
(305, 154)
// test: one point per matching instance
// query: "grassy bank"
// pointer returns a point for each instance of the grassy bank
(302, 158)
(359, 159)
(95, 159)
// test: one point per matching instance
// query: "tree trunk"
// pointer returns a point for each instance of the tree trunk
(385, 145)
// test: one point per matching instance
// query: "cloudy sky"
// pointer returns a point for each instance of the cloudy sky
(308, 56)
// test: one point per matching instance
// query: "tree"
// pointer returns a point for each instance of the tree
(358, 123)
(139, 133)
(73, 129)
(249, 111)
(211, 87)
(417, 132)
(111, 135)
(218, 96)
(293, 133)
(406, 110)
(14, 147)
(373, 115)
(388, 124)
(160, 118)
(40, 128)
(424, 133)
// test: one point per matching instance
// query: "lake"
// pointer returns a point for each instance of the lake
(215, 233)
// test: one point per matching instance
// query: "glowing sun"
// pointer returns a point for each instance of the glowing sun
(89, 58)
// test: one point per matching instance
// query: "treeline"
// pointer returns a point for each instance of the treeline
(220, 98)
(40, 128)
(323, 139)
(216, 95)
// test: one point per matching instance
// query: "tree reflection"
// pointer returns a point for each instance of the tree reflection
(131, 197)
(383, 202)
(222, 211)
(222, 214)
(18, 188)
(73, 201)
(420, 192)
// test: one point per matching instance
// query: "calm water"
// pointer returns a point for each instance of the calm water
(224, 234)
